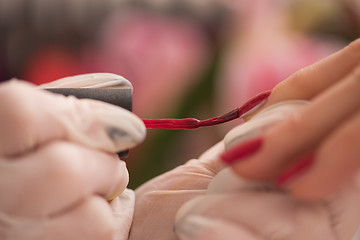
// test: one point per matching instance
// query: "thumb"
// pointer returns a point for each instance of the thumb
(31, 117)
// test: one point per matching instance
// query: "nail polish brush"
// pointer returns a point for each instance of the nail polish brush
(122, 97)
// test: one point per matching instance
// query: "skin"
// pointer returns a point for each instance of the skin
(328, 128)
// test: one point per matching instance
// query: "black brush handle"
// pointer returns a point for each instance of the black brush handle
(120, 97)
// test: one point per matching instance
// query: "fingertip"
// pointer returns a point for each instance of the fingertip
(103, 126)
(124, 128)
(121, 180)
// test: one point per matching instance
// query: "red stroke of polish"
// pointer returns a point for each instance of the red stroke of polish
(295, 170)
(193, 123)
(242, 150)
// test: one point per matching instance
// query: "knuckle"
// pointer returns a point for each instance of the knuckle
(354, 47)
(352, 51)
(17, 116)
(13, 91)
(297, 79)
(299, 74)
(9, 86)
(14, 101)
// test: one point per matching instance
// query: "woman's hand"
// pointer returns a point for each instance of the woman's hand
(326, 133)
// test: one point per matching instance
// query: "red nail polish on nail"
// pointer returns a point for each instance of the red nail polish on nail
(243, 150)
(254, 102)
(295, 170)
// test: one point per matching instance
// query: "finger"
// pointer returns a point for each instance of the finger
(31, 117)
(167, 192)
(310, 81)
(123, 212)
(270, 215)
(283, 144)
(335, 165)
(341, 207)
(57, 176)
(263, 121)
(155, 208)
(199, 228)
(92, 219)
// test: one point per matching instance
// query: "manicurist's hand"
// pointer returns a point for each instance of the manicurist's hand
(58, 164)
(323, 138)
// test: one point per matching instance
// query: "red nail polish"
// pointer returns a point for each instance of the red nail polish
(242, 150)
(295, 170)
(252, 103)
(193, 123)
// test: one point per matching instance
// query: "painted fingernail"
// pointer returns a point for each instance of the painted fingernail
(295, 170)
(254, 103)
(242, 150)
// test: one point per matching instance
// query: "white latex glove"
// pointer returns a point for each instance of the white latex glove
(236, 208)
(58, 163)
(158, 200)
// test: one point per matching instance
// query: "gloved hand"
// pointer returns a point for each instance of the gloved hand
(158, 200)
(226, 205)
(58, 164)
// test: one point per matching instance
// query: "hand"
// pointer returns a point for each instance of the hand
(311, 156)
(58, 164)
(158, 200)
(327, 130)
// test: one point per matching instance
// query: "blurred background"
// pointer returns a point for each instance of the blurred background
(185, 58)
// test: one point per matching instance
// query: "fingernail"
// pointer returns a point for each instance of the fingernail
(190, 227)
(254, 103)
(295, 170)
(242, 150)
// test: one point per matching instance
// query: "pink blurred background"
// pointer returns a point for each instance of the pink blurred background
(185, 58)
